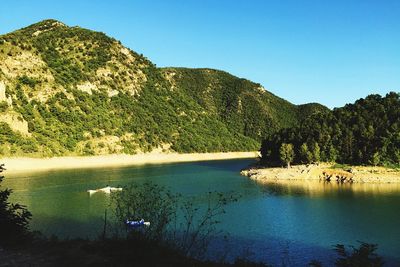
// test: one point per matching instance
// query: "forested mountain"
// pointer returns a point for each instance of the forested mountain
(366, 132)
(71, 91)
(242, 105)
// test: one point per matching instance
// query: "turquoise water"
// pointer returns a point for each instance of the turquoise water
(284, 224)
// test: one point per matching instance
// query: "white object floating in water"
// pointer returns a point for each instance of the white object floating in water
(106, 190)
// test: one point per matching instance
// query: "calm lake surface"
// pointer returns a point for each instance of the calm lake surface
(284, 224)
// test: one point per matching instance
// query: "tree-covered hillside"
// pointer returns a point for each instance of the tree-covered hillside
(366, 132)
(244, 106)
(71, 91)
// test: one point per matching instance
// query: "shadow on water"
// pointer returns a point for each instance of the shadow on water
(234, 165)
(268, 249)
(279, 252)
(67, 228)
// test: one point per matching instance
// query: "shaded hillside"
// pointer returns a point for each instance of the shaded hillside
(244, 106)
(71, 91)
(366, 132)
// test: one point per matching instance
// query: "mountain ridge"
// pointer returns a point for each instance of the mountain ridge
(72, 91)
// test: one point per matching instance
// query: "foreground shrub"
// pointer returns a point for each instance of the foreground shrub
(14, 218)
(363, 256)
(181, 223)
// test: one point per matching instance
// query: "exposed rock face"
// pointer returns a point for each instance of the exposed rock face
(3, 96)
(48, 26)
(2, 91)
(87, 87)
(23, 62)
(16, 122)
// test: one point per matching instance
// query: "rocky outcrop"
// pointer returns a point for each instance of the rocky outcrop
(87, 87)
(16, 122)
(324, 172)
(3, 96)
(2, 91)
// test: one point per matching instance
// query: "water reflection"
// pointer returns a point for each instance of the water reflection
(319, 188)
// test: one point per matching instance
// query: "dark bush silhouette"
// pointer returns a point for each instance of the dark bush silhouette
(14, 218)
(363, 256)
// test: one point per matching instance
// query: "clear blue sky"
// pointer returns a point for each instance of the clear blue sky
(326, 51)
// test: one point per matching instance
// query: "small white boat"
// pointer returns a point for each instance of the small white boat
(106, 190)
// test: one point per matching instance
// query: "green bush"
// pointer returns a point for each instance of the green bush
(3, 106)
(31, 82)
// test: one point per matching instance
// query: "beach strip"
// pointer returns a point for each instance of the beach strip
(25, 164)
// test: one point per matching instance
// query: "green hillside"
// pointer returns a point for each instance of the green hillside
(242, 105)
(71, 91)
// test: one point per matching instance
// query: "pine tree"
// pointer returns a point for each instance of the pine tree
(316, 153)
(332, 154)
(286, 153)
(305, 154)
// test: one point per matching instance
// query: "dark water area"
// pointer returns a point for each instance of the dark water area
(286, 224)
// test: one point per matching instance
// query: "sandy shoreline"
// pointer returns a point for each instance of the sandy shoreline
(24, 164)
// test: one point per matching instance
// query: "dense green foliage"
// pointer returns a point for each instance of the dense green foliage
(17, 142)
(245, 107)
(366, 132)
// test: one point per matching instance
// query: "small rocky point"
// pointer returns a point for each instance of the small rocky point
(324, 172)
